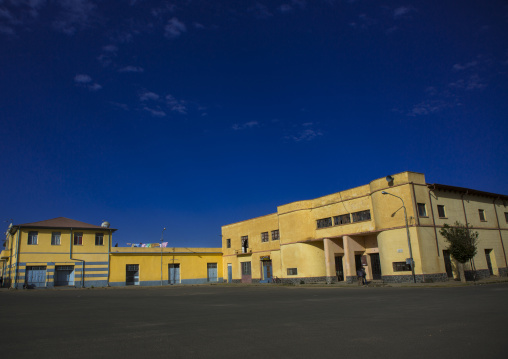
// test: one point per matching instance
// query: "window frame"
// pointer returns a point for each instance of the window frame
(264, 237)
(54, 241)
(422, 210)
(323, 222)
(292, 271)
(78, 238)
(228, 243)
(481, 214)
(401, 267)
(276, 235)
(33, 238)
(360, 216)
(101, 236)
(441, 207)
(339, 218)
(506, 216)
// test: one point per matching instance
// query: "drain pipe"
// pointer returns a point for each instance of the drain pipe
(17, 260)
(80, 260)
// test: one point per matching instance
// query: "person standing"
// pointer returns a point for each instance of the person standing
(359, 276)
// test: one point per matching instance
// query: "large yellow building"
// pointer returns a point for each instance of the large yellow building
(329, 238)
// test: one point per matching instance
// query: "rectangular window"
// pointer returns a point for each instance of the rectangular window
(228, 243)
(246, 268)
(401, 267)
(32, 238)
(506, 216)
(264, 237)
(245, 244)
(78, 239)
(342, 219)
(440, 211)
(292, 271)
(275, 235)
(324, 222)
(422, 210)
(55, 238)
(361, 216)
(99, 239)
(481, 212)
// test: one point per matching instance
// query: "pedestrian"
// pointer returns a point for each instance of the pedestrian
(364, 276)
(359, 276)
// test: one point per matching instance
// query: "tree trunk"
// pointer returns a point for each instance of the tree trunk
(462, 273)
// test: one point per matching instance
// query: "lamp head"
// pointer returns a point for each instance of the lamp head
(389, 178)
(384, 192)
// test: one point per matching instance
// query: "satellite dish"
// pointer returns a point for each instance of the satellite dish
(105, 224)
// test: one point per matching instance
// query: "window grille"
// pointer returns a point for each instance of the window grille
(264, 237)
(275, 235)
(324, 222)
(342, 219)
(361, 216)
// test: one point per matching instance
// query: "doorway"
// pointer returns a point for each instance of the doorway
(339, 269)
(489, 261)
(230, 273)
(375, 262)
(64, 275)
(212, 272)
(448, 263)
(35, 276)
(174, 273)
(267, 271)
(132, 274)
(246, 272)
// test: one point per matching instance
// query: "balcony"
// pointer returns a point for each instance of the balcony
(5, 254)
(243, 252)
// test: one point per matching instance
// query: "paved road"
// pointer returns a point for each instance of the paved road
(252, 322)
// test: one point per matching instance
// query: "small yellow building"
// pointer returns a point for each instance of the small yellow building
(328, 239)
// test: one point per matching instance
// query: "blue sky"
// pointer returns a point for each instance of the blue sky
(194, 114)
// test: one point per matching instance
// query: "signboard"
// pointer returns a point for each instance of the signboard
(265, 258)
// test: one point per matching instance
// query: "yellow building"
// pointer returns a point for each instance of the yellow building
(162, 266)
(66, 252)
(331, 237)
(56, 252)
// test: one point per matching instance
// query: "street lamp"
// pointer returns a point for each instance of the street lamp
(408, 239)
(162, 238)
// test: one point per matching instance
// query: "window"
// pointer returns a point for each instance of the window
(422, 210)
(78, 239)
(228, 243)
(245, 244)
(506, 216)
(440, 211)
(292, 271)
(361, 216)
(324, 222)
(246, 268)
(32, 238)
(401, 267)
(342, 219)
(275, 235)
(99, 239)
(264, 237)
(481, 212)
(55, 238)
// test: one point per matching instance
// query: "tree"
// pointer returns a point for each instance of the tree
(463, 244)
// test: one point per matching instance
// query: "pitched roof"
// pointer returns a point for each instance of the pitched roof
(61, 222)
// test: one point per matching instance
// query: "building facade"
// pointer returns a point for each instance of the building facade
(63, 252)
(328, 238)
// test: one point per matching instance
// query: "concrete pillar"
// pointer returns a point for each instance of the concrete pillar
(329, 263)
(349, 259)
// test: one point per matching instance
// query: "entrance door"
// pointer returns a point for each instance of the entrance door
(132, 274)
(230, 273)
(339, 269)
(376, 266)
(64, 275)
(267, 271)
(35, 276)
(212, 272)
(174, 274)
(246, 272)
(448, 264)
(489, 263)
(358, 261)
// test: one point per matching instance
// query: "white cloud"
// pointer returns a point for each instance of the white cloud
(285, 8)
(401, 11)
(473, 82)
(245, 125)
(305, 135)
(155, 112)
(131, 69)
(260, 11)
(174, 28)
(146, 96)
(460, 67)
(82, 79)
(176, 105)
(75, 15)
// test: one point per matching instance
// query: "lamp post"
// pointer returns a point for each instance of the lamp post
(408, 238)
(162, 238)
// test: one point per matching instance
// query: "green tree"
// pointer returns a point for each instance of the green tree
(463, 244)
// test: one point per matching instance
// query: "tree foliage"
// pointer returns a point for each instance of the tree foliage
(463, 242)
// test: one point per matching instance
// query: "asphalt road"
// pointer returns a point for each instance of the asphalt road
(252, 322)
